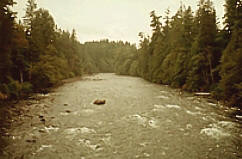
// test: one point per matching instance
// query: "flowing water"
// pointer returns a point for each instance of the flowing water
(139, 120)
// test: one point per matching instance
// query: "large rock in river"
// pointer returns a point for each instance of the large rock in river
(99, 102)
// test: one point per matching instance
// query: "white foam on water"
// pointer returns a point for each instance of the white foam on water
(72, 131)
(168, 121)
(107, 139)
(190, 98)
(163, 92)
(188, 126)
(157, 110)
(234, 108)
(144, 144)
(217, 131)
(226, 124)
(196, 101)
(181, 129)
(212, 104)
(83, 130)
(75, 113)
(239, 116)
(88, 111)
(88, 144)
(87, 130)
(162, 97)
(202, 93)
(44, 147)
(214, 132)
(192, 113)
(64, 114)
(159, 107)
(198, 108)
(153, 123)
(146, 155)
(141, 120)
(51, 128)
(205, 118)
(173, 106)
(42, 95)
(209, 118)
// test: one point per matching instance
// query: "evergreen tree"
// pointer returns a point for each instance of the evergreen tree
(19, 54)
(201, 74)
(6, 34)
(231, 66)
(28, 23)
(230, 15)
(29, 16)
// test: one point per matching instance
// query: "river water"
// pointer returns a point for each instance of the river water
(139, 120)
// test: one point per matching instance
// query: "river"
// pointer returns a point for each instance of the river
(139, 120)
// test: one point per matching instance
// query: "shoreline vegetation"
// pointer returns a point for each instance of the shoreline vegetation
(186, 50)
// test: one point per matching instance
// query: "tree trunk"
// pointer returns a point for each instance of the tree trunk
(21, 76)
(210, 67)
(30, 71)
(209, 57)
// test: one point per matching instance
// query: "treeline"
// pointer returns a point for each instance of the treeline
(186, 50)
(105, 56)
(34, 54)
(108, 56)
(189, 51)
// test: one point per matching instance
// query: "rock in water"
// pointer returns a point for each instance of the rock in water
(99, 102)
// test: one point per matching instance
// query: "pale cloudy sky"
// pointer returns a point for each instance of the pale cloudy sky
(112, 19)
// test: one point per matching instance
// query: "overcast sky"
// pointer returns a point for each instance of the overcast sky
(112, 19)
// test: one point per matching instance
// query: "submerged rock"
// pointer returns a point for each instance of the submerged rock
(99, 102)
(68, 111)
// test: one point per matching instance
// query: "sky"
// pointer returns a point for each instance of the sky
(110, 19)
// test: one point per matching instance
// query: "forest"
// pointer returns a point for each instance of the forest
(187, 50)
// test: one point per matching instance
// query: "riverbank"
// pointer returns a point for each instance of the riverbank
(12, 111)
(211, 95)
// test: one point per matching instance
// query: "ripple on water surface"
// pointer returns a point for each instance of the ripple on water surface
(140, 119)
(159, 107)
(88, 144)
(162, 97)
(193, 113)
(43, 147)
(79, 130)
(173, 106)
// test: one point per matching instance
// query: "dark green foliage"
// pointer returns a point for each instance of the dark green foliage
(231, 67)
(33, 56)
(37, 55)
(190, 52)
(186, 51)
(6, 34)
(15, 89)
(203, 50)
(105, 56)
